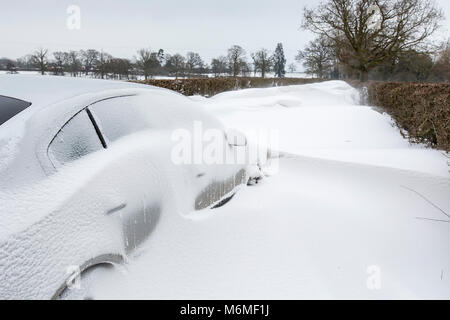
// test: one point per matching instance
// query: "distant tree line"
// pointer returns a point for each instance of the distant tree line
(148, 63)
(377, 40)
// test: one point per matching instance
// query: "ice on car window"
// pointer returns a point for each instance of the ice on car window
(9, 107)
(75, 140)
(118, 117)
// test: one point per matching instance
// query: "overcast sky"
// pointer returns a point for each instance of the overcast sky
(122, 27)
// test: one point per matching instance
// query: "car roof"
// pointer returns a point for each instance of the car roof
(45, 90)
(24, 138)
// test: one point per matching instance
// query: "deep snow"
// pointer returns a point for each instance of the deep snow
(325, 120)
(351, 195)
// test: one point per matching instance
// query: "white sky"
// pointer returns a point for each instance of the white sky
(122, 27)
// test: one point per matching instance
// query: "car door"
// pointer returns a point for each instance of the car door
(119, 178)
(130, 168)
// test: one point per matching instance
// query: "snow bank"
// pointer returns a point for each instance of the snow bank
(325, 120)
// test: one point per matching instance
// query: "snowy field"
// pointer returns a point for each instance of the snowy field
(301, 75)
(354, 211)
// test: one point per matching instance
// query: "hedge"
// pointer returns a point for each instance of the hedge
(211, 86)
(422, 109)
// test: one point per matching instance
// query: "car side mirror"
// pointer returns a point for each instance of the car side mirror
(236, 138)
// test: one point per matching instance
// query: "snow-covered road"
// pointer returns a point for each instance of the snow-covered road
(355, 211)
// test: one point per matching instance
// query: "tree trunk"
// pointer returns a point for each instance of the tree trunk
(364, 76)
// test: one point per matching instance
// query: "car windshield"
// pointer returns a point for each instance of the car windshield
(9, 107)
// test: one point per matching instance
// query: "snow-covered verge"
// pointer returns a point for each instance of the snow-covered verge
(355, 211)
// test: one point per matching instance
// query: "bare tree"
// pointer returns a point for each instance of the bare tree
(262, 62)
(120, 68)
(101, 63)
(236, 60)
(219, 66)
(39, 58)
(144, 61)
(148, 61)
(88, 59)
(59, 60)
(246, 68)
(125, 66)
(317, 57)
(194, 63)
(367, 32)
(177, 62)
(11, 67)
(72, 61)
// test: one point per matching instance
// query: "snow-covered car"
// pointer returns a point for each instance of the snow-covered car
(87, 171)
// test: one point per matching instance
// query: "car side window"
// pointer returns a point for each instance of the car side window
(118, 117)
(75, 140)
